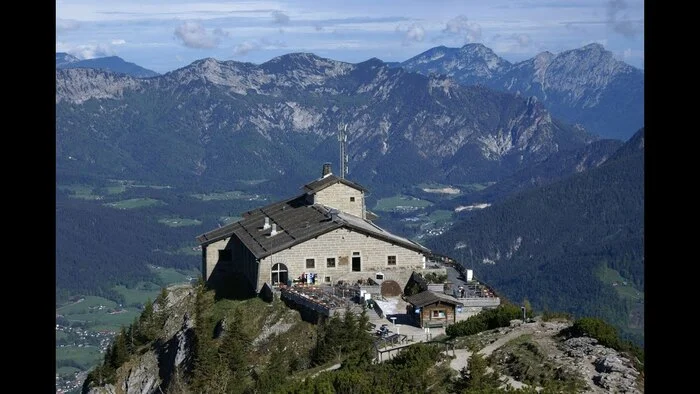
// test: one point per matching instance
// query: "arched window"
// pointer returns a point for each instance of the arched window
(279, 274)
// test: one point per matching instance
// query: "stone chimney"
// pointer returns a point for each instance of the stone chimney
(267, 223)
(326, 169)
(274, 229)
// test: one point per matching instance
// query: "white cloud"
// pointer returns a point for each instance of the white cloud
(415, 33)
(193, 35)
(245, 47)
(280, 17)
(118, 42)
(460, 26)
(619, 19)
(221, 32)
(248, 46)
(63, 25)
(412, 33)
(85, 51)
(130, 10)
(522, 39)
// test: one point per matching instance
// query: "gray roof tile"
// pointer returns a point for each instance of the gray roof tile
(329, 180)
(297, 221)
(430, 297)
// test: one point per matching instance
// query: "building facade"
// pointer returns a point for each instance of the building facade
(433, 309)
(323, 236)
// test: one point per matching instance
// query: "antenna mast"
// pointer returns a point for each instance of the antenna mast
(343, 139)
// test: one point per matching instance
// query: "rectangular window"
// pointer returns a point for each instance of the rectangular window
(391, 260)
(330, 262)
(327, 279)
(352, 199)
(438, 314)
(310, 263)
(225, 255)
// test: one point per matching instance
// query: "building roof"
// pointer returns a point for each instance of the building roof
(418, 278)
(329, 180)
(430, 297)
(297, 221)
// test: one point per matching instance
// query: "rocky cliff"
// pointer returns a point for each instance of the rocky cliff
(534, 354)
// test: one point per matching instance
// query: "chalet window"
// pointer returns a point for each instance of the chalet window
(352, 199)
(438, 314)
(279, 274)
(391, 260)
(327, 279)
(225, 255)
(310, 263)
(330, 262)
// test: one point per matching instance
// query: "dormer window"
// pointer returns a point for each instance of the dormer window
(352, 199)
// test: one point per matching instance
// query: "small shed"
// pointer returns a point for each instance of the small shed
(431, 309)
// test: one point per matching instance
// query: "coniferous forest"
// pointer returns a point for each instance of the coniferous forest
(553, 245)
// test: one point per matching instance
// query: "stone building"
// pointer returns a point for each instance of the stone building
(324, 236)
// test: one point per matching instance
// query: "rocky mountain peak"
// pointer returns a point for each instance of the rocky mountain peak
(480, 53)
(81, 84)
(476, 48)
(372, 63)
(305, 68)
(586, 85)
(63, 58)
(594, 46)
(544, 57)
(591, 53)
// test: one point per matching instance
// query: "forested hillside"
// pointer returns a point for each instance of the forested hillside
(574, 245)
(109, 239)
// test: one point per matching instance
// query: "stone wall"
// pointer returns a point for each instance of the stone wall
(483, 302)
(338, 196)
(243, 261)
(341, 244)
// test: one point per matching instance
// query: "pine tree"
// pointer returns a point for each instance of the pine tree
(205, 357)
(119, 354)
(161, 306)
(234, 349)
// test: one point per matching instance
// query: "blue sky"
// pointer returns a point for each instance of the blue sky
(164, 35)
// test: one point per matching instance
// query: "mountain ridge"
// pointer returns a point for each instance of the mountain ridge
(109, 63)
(300, 98)
(585, 85)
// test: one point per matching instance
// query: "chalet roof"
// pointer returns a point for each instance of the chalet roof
(418, 278)
(297, 221)
(430, 297)
(329, 180)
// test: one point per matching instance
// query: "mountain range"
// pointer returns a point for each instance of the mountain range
(110, 63)
(586, 86)
(217, 121)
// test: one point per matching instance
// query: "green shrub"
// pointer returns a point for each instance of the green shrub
(486, 320)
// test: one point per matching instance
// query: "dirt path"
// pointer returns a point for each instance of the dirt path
(488, 349)
(460, 361)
